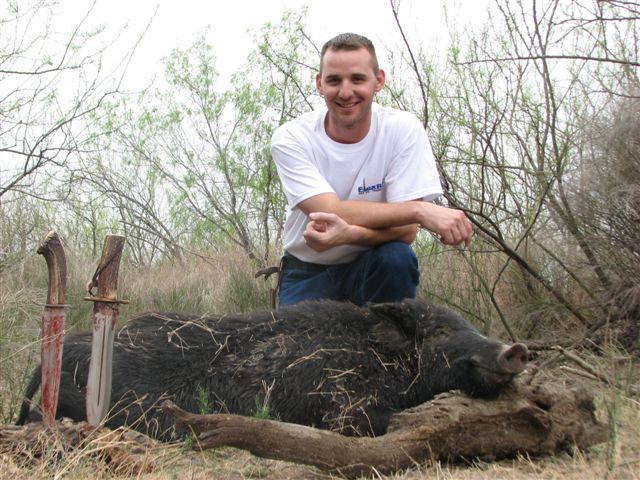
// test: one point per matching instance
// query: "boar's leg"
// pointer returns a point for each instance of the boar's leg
(26, 414)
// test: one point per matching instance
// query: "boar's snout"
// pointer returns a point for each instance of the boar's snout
(514, 358)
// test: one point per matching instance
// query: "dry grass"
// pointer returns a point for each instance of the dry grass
(204, 284)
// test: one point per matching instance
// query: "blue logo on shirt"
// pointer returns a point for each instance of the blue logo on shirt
(364, 189)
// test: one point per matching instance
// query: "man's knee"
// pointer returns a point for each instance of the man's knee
(389, 274)
(395, 257)
(298, 285)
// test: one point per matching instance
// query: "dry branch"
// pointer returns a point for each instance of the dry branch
(591, 371)
(531, 420)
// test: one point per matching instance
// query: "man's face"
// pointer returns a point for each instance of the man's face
(348, 84)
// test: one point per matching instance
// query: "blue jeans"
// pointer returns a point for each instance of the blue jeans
(386, 273)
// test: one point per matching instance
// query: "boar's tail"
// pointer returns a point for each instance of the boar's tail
(32, 388)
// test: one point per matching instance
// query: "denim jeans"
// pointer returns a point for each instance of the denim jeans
(386, 273)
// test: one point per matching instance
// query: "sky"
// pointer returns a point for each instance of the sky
(229, 24)
(177, 23)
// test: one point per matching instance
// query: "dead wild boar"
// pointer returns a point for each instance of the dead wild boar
(326, 364)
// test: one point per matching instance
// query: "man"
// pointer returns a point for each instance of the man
(359, 180)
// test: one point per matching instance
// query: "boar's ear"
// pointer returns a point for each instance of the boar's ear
(390, 337)
(399, 313)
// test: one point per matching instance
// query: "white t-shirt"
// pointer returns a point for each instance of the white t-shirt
(393, 163)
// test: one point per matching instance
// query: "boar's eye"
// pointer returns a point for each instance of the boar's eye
(439, 333)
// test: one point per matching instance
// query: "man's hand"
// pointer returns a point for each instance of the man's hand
(327, 230)
(451, 225)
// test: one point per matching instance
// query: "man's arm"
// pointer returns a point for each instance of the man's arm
(327, 230)
(451, 225)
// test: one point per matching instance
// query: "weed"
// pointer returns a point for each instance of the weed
(262, 409)
(187, 444)
(262, 405)
(203, 401)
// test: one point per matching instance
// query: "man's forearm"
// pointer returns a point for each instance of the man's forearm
(328, 230)
(450, 224)
(371, 237)
(374, 215)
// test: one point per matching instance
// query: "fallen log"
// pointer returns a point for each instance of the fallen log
(530, 420)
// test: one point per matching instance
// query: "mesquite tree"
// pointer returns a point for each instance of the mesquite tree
(508, 113)
(52, 79)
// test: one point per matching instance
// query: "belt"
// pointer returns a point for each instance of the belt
(294, 263)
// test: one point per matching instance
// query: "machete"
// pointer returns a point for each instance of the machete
(52, 325)
(105, 317)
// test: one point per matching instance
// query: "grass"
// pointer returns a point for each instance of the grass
(225, 284)
(203, 401)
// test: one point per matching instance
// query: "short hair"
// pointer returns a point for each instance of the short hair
(351, 41)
